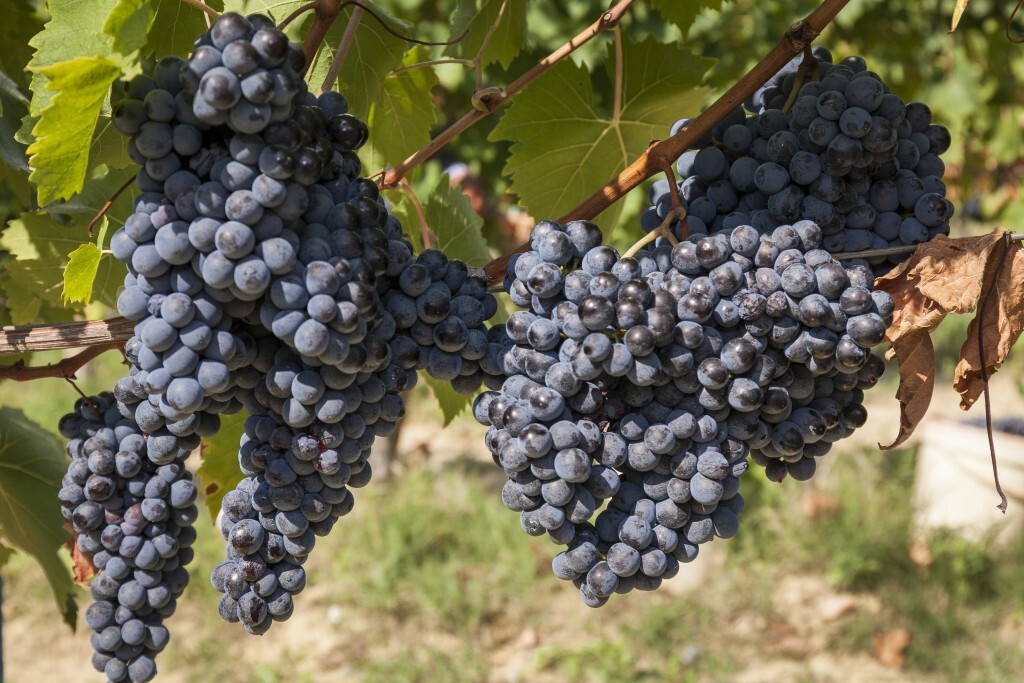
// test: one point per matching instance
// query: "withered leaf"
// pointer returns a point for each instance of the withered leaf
(82, 568)
(942, 276)
(916, 357)
(1001, 317)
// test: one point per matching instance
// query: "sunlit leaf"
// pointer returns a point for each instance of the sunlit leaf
(219, 472)
(60, 153)
(565, 145)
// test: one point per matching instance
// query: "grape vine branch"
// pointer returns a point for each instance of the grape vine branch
(665, 152)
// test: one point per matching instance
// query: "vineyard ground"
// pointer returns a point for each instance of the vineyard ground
(430, 579)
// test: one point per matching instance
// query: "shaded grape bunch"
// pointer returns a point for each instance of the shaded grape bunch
(439, 307)
(848, 155)
(296, 483)
(135, 518)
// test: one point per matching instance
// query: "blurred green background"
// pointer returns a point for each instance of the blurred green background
(431, 579)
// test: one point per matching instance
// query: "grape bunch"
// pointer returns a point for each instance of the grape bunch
(439, 306)
(135, 518)
(646, 380)
(836, 148)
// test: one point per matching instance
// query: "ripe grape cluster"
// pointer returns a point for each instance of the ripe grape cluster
(135, 517)
(266, 275)
(646, 380)
(827, 143)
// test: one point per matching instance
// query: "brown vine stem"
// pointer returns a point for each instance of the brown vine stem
(24, 338)
(325, 13)
(347, 39)
(106, 206)
(606, 21)
(665, 152)
(19, 372)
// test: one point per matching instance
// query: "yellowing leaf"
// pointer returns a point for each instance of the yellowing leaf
(75, 29)
(60, 153)
(80, 273)
(565, 145)
(219, 472)
(958, 13)
(32, 462)
(127, 25)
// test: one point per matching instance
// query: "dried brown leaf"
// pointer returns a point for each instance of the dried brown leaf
(1001, 315)
(888, 647)
(942, 276)
(82, 568)
(916, 357)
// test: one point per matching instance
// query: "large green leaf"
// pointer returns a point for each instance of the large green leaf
(75, 29)
(451, 402)
(60, 153)
(402, 119)
(456, 226)
(565, 146)
(128, 25)
(219, 472)
(476, 17)
(32, 462)
(40, 244)
(682, 13)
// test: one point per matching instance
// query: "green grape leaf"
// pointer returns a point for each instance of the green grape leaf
(127, 25)
(402, 118)
(60, 153)
(475, 22)
(40, 245)
(13, 107)
(456, 226)
(80, 273)
(374, 54)
(219, 472)
(22, 20)
(32, 462)
(109, 147)
(397, 108)
(565, 145)
(451, 402)
(75, 29)
(683, 13)
(175, 26)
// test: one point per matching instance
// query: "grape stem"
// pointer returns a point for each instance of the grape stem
(106, 206)
(347, 39)
(663, 230)
(66, 368)
(426, 235)
(665, 152)
(608, 20)
(203, 6)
